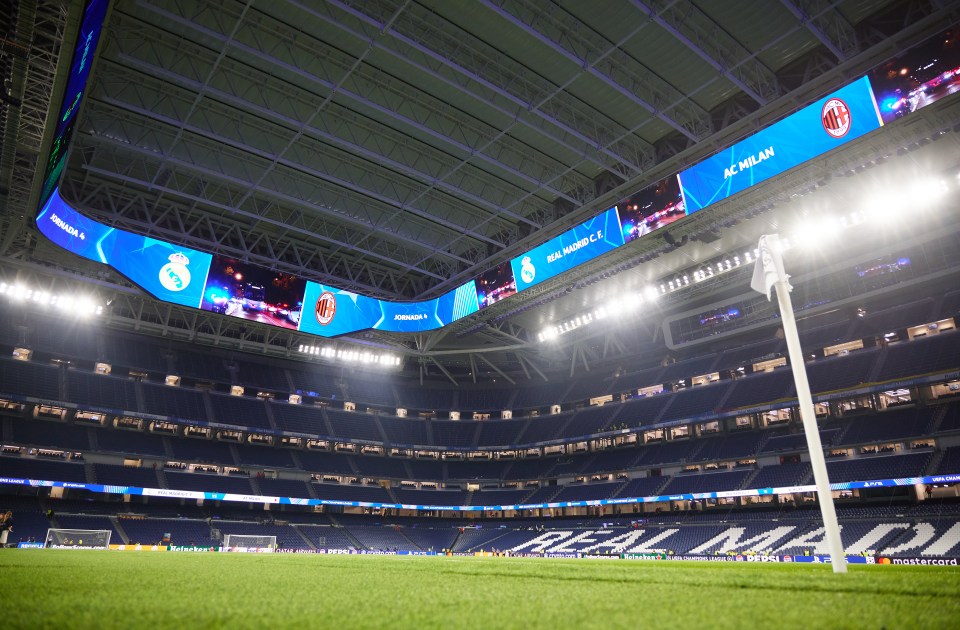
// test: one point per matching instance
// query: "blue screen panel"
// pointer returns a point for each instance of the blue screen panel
(74, 232)
(823, 126)
(574, 247)
(329, 311)
(87, 39)
(430, 314)
(458, 303)
(495, 284)
(169, 272)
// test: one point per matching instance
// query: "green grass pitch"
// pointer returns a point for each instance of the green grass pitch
(98, 589)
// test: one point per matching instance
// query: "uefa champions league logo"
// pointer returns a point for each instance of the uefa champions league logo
(527, 271)
(174, 276)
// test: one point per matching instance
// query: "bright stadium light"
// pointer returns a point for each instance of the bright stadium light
(77, 306)
(351, 356)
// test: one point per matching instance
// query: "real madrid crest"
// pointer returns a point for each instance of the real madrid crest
(527, 271)
(174, 276)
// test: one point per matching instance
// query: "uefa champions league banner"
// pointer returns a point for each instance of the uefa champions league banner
(844, 115)
(244, 498)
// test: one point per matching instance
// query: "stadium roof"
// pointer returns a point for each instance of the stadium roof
(400, 149)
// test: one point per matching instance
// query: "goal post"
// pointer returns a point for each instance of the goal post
(78, 538)
(247, 542)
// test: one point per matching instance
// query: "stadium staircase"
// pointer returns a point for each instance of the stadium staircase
(722, 403)
(303, 536)
(116, 525)
(162, 477)
(255, 485)
(138, 395)
(296, 458)
(208, 407)
(476, 434)
(749, 479)
(392, 495)
(878, 363)
(88, 472)
(270, 419)
(383, 434)
(937, 419)
(487, 544)
(235, 454)
(456, 540)
(62, 383)
(167, 446)
(328, 429)
(838, 438)
(934, 462)
(403, 534)
(346, 532)
(429, 432)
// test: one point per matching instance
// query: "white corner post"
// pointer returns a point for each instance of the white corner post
(838, 557)
(769, 272)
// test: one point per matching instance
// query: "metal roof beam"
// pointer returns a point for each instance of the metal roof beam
(390, 148)
(135, 172)
(725, 55)
(531, 20)
(460, 56)
(841, 40)
(494, 368)
(334, 174)
(483, 143)
(204, 232)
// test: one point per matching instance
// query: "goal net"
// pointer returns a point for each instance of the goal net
(78, 538)
(245, 542)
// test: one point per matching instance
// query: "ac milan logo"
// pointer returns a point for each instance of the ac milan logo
(835, 117)
(326, 308)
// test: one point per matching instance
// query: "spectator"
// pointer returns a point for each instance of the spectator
(6, 526)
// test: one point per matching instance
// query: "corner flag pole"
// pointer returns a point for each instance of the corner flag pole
(769, 273)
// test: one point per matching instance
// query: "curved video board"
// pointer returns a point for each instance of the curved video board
(168, 272)
(918, 77)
